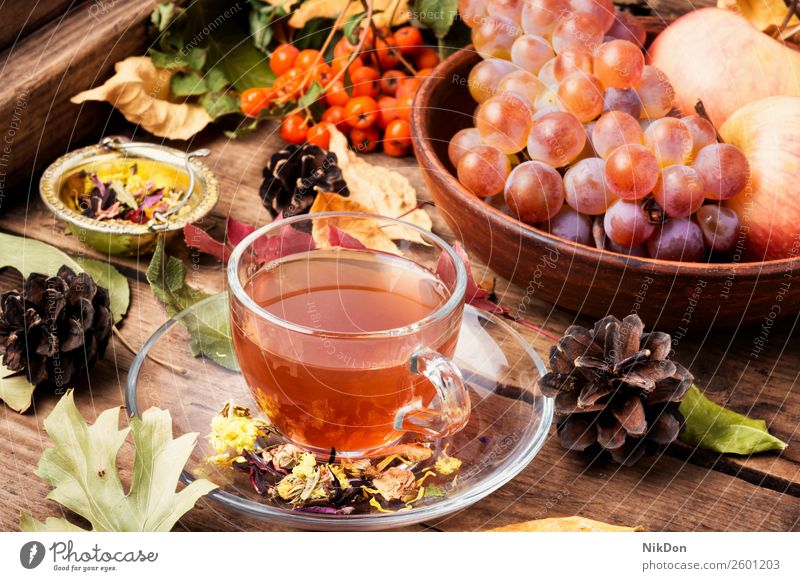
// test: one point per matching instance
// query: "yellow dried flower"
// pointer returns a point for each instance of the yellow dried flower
(446, 464)
(233, 431)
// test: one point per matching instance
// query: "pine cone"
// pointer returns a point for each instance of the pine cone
(56, 328)
(616, 387)
(295, 175)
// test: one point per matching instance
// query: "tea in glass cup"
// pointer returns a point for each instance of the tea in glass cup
(349, 347)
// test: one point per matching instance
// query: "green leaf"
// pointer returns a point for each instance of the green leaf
(193, 59)
(51, 525)
(28, 255)
(82, 468)
(106, 275)
(438, 15)
(260, 27)
(187, 84)
(219, 103)
(242, 64)
(162, 16)
(15, 389)
(209, 325)
(711, 426)
(216, 80)
(311, 96)
(350, 26)
(434, 490)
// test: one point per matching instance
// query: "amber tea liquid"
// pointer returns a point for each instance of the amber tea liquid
(336, 385)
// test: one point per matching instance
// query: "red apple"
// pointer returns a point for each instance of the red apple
(768, 133)
(719, 57)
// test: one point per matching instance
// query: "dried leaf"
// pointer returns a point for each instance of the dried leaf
(766, 15)
(711, 426)
(82, 469)
(380, 190)
(366, 231)
(395, 483)
(384, 10)
(141, 92)
(411, 451)
(569, 524)
(201, 240)
(15, 389)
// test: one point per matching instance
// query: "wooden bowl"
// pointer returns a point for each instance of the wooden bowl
(680, 296)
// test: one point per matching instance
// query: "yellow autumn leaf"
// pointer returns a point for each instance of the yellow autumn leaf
(396, 10)
(570, 524)
(382, 190)
(366, 231)
(766, 15)
(141, 91)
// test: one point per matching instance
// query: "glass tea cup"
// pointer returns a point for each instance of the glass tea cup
(344, 325)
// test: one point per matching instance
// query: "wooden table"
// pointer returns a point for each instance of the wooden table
(681, 489)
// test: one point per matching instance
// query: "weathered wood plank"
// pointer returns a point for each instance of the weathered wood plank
(18, 19)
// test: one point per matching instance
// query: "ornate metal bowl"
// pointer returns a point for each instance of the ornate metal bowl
(121, 237)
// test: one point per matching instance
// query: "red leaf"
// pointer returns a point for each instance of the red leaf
(337, 237)
(289, 241)
(199, 239)
(238, 231)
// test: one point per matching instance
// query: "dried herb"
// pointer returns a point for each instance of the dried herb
(615, 387)
(82, 469)
(119, 192)
(292, 477)
(711, 426)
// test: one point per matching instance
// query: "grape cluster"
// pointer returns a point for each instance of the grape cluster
(576, 132)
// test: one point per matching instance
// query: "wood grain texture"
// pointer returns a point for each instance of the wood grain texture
(680, 490)
(18, 19)
(43, 71)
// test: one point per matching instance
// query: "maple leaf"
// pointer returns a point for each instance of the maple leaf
(81, 467)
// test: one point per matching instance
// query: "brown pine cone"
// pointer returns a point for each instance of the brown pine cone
(616, 387)
(57, 327)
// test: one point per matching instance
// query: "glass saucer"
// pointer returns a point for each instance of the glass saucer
(508, 424)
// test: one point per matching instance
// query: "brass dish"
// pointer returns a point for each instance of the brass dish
(120, 237)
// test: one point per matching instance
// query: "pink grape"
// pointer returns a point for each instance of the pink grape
(530, 52)
(724, 170)
(504, 121)
(613, 129)
(679, 191)
(720, 226)
(601, 10)
(585, 187)
(509, 8)
(534, 192)
(639, 250)
(669, 140)
(523, 83)
(540, 16)
(626, 27)
(677, 239)
(631, 171)
(494, 36)
(619, 64)
(472, 11)
(462, 142)
(556, 138)
(572, 61)
(577, 31)
(701, 130)
(485, 77)
(483, 170)
(582, 95)
(655, 93)
(625, 224)
(570, 225)
(625, 100)
(547, 74)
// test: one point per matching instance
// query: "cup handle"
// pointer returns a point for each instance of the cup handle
(448, 412)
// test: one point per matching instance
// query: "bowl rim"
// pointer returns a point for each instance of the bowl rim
(50, 194)
(434, 167)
